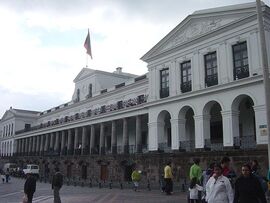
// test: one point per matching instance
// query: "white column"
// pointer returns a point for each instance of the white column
(254, 54)
(155, 130)
(175, 134)
(195, 70)
(202, 129)
(223, 76)
(230, 122)
(260, 123)
(182, 129)
(172, 78)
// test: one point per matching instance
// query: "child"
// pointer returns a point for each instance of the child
(194, 189)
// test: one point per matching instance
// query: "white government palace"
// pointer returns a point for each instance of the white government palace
(203, 92)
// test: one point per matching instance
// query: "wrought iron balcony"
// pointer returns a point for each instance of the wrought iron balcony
(164, 92)
(242, 72)
(211, 80)
(186, 86)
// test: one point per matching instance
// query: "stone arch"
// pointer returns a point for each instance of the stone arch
(213, 125)
(186, 128)
(242, 107)
(164, 130)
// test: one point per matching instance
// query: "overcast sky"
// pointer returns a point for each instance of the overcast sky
(41, 43)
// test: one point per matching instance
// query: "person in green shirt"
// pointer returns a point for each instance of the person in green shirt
(136, 177)
(195, 171)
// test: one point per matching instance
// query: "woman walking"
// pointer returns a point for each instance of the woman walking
(218, 187)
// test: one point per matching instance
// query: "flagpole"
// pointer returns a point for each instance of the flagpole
(86, 60)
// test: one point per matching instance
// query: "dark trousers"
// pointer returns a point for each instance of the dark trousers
(30, 197)
(168, 185)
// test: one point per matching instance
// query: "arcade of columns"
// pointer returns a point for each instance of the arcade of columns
(76, 141)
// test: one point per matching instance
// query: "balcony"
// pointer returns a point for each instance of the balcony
(186, 87)
(241, 72)
(211, 80)
(164, 92)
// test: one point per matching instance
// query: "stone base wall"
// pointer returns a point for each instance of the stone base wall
(119, 167)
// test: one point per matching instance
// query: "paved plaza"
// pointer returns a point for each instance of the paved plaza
(13, 193)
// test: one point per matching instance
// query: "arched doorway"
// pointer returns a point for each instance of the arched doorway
(164, 131)
(213, 132)
(246, 133)
(186, 129)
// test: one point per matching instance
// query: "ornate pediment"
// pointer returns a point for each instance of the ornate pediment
(8, 114)
(83, 73)
(197, 25)
(196, 28)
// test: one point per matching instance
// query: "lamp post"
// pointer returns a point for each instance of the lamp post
(265, 67)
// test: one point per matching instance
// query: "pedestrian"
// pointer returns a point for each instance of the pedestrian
(168, 178)
(255, 168)
(7, 175)
(162, 183)
(3, 177)
(194, 189)
(136, 177)
(255, 171)
(248, 188)
(30, 187)
(226, 169)
(218, 187)
(196, 172)
(57, 183)
(206, 174)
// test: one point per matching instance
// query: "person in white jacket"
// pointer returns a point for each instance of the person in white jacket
(218, 187)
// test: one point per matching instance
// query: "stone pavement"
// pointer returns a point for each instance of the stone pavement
(118, 196)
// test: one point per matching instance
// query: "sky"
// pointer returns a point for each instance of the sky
(41, 43)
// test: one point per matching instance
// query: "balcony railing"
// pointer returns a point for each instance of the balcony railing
(186, 86)
(164, 92)
(242, 72)
(164, 147)
(188, 146)
(211, 80)
(89, 113)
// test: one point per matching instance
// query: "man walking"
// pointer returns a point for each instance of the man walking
(168, 178)
(30, 187)
(57, 183)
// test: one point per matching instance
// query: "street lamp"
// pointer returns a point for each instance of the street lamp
(265, 67)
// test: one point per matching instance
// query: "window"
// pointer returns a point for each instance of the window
(186, 76)
(90, 89)
(164, 83)
(78, 95)
(12, 129)
(210, 63)
(240, 61)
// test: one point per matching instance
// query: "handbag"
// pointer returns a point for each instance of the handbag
(25, 199)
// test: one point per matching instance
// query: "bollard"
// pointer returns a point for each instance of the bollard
(99, 184)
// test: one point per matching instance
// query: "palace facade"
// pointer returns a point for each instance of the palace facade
(203, 93)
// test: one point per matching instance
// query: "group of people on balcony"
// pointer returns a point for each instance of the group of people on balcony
(219, 184)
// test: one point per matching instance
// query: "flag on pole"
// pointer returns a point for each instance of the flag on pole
(87, 45)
